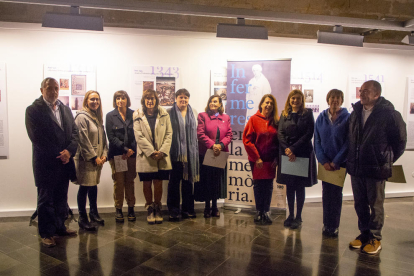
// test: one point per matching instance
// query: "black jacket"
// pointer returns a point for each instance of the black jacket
(120, 133)
(298, 137)
(374, 148)
(48, 140)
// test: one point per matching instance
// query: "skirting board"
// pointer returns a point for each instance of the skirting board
(197, 205)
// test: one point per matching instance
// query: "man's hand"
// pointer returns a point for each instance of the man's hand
(64, 156)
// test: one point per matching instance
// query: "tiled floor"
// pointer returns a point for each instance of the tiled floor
(229, 245)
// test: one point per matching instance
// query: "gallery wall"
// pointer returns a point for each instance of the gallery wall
(25, 48)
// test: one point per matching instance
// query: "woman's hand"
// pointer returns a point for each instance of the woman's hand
(217, 149)
(334, 167)
(328, 167)
(157, 155)
(288, 152)
(259, 163)
(98, 161)
(130, 153)
(292, 157)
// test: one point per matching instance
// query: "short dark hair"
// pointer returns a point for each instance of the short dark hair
(376, 85)
(42, 85)
(220, 109)
(121, 93)
(182, 91)
(335, 93)
(145, 94)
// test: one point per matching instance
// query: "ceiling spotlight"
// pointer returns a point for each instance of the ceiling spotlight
(241, 30)
(337, 37)
(74, 20)
(408, 39)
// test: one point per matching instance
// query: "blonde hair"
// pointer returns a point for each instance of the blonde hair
(275, 112)
(97, 115)
(288, 107)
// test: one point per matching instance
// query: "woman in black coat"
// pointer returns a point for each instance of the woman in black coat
(120, 131)
(295, 133)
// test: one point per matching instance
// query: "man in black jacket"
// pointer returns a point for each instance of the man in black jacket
(377, 138)
(52, 130)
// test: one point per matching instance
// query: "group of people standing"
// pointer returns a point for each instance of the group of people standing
(159, 144)
(366, 142)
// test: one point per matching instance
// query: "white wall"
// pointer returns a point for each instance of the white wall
(26, 47)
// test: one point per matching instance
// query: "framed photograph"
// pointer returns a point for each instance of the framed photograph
(64, 84)
(78, 85)
(76, 103)
(308, 95)
(165, 87)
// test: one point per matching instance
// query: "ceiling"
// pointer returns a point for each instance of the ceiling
(382, 21)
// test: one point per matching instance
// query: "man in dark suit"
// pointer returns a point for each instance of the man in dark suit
(52, 130)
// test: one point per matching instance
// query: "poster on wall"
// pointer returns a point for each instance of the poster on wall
(247, 82)
(355, 82)
(4, 129)
(310, 83)
(219, 83)
(410, 113)
(162, 79)
(74, 81)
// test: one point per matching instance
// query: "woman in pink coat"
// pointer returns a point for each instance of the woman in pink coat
(213, 132)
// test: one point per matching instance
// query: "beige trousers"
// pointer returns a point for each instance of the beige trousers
(124, 181)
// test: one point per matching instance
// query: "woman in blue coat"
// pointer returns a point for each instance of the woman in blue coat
(331, 147)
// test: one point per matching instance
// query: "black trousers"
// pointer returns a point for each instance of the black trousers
(173, 197)
(369, 195)
(52, 208)
(263, 189)
(332, 204)
(92, 193)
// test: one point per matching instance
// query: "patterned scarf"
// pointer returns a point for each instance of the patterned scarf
(184, 145)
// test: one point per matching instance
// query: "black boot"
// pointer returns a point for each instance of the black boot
(258, 217)
(131, 214)
(266, 218)
(94, 216)
(119, 217)
(84, 222)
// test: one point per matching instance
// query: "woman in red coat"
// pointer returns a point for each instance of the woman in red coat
(213, 132)
(262, 147)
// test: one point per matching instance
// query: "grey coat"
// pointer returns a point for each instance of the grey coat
(92, 143)
(143, 136)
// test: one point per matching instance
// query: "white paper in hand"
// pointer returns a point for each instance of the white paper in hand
(215, 161)
(120, 164)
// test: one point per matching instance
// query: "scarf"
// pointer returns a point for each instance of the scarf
(184, 145)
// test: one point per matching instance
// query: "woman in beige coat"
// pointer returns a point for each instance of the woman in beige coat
(153, 133)
(90, 157)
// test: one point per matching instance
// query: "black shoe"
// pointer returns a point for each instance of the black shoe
(326, 231)
(84, 222)
(296, 223)
(207, 213)
(94, 216)
(119, 217)
(266, 218)
(333, 232)
(173, 216)
(131, 214)
(215, 212)
(258, 217)
(288, 221)
(187, 215)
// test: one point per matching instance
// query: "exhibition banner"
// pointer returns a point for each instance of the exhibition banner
(4, 129)
(162, 79)
(74, 81)
(247, 82)
(410, 113)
